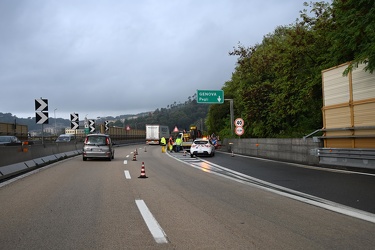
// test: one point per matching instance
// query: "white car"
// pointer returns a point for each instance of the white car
(202, 147)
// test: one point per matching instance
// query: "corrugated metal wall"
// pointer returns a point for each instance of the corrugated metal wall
(348, 108)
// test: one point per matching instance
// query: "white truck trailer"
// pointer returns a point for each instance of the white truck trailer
(155, 132)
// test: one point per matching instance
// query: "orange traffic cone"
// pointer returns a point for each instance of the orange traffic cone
(134, 157)
(143, 171)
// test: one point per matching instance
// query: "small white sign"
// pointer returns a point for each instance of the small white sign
(239, 131)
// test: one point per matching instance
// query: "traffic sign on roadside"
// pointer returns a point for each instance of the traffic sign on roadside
(210, 96)
(92, 126)
(41, 111)
(239, 122)
(74, 121)
(239, 131)
(106, 125)
(41, 117)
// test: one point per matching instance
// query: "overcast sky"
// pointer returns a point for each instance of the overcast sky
(112, 57)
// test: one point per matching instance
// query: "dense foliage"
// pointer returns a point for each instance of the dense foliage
(276, 86)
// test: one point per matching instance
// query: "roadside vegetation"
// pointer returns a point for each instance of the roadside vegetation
(277, 86)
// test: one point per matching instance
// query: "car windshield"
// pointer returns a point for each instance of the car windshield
(97, 140)
(63, 138)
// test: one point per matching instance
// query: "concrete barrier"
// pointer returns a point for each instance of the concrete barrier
(289, 150)
(22, 167)
(305, 151)
(19, 159)
(15, 154)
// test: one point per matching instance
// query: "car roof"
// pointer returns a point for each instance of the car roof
(98, 135)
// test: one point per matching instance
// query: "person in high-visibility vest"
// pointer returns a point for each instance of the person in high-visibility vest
(163, 142)
(170, 144)
(178, 144)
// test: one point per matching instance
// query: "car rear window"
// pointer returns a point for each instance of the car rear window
(200, 142)
(97, 140)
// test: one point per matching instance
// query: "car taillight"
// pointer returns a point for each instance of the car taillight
(86, 140)
(106, 141)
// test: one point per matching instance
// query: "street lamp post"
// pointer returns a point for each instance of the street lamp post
(54, 113)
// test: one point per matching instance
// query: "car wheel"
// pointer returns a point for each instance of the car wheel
(84, 158)
(113, 156)
(191, 155)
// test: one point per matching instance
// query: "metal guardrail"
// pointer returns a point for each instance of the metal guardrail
(357, 158)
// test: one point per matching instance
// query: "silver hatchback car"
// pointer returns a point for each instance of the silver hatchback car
(98, 146)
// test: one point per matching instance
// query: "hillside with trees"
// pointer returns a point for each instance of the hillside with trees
(277, 86)
(181, 115)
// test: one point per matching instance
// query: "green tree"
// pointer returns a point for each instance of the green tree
(277, 85)
(353, 34)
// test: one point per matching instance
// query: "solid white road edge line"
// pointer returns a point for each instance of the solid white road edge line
(154, 227)
(127, 174)
(318, 202)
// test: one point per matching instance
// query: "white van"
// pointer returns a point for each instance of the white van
(65, 138)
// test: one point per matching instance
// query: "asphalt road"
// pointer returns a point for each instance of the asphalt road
(353, 189)
(104, 205)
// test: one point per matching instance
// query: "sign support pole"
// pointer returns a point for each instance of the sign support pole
(231, 114)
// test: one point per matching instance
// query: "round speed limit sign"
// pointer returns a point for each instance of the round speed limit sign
(239, 122)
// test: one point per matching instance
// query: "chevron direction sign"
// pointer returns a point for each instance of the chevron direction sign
(74, 121)
(41, 111)
(106, 125)
(41, 117)
(92, 126)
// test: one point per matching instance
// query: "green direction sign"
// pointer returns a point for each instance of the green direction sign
(210, 96)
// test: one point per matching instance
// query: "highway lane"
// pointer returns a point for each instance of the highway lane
(93, 205)
(353, 189)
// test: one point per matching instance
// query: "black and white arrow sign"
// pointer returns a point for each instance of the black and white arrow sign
(41, 104)
(92, 126)
(74, 117)
(41, 117)
(41, 111)
(74, 125)
(106, 125)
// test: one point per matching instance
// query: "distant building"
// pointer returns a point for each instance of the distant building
(77, 132)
